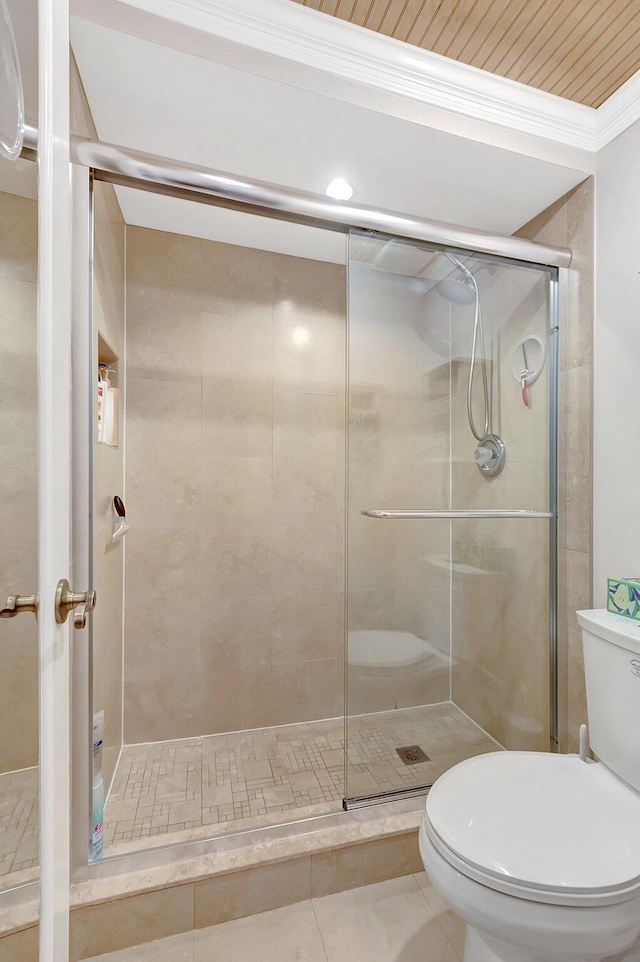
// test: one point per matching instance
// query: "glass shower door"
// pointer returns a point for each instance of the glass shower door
(449, 535)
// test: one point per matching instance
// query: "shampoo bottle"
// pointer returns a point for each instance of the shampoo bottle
(105, 405)
(97, 822)
(97, 829)
(100, 405)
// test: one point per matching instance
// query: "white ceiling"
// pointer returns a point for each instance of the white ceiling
(176, 104)
(165, 101)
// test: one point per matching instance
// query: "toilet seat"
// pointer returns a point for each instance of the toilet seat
(548, 828)
(379, 651)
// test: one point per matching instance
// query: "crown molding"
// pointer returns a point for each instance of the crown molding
(346, 51)
(618, 112)
(312, 39)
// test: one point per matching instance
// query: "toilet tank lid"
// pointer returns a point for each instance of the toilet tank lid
(624, 632)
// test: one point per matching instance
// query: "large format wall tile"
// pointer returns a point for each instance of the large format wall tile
(110, 926)
(399, 446)
(364, 864)
(237, 501)
(388, 920)
(236, 281)
(235, 487)
(162, 641)
(163, 453)
(164, 328)
(303, 690)
(18, 238)
(18, 460)
(237, 416)
(250, 892)
(237, 383)
(308, 325)
(576, 386)
(21, 946)
(263, 936)
(570, 222)
(500, 573)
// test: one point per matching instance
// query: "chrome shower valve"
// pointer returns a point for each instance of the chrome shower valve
(491, 455)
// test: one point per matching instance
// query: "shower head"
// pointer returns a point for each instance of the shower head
(457, 292)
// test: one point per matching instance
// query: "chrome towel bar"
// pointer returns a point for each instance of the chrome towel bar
(397, 514)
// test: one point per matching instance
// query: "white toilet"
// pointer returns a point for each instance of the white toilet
(540, 853)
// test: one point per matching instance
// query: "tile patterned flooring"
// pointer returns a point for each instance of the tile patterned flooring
(18, 821)
(402, 920)
(177, 790)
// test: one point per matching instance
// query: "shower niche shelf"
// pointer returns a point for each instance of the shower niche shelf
(108, 394)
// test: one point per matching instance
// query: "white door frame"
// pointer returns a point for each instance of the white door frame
(54, 469)
(82, 428)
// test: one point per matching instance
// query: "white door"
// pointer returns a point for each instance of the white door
(54, 472)
(43, 439)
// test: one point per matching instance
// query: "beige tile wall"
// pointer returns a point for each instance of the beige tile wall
(569, 222)
(18, 461)
(407, 406)
(235, 374)
(399, 431)
(108, 463)
(249, 398)
(500, 573)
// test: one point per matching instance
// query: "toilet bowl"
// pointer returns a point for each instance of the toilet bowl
(540, 853)
(394, 669)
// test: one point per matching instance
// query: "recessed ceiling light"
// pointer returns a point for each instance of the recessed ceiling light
(339, 189)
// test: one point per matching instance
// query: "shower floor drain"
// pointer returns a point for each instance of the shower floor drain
(412, 755)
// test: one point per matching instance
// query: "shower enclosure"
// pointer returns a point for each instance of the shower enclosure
(356, 602)
(450, 569)
(314, 590)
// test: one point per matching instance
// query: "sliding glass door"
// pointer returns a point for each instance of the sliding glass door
(451, 511)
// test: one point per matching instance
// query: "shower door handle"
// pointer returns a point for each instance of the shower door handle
(398, 514)
(67, 600)
(17, 604)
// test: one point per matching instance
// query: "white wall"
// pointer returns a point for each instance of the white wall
(617, 363)
(258, 127)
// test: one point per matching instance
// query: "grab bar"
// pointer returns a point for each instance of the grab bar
(409, 514)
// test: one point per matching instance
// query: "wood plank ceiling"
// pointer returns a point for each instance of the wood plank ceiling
(579, 49)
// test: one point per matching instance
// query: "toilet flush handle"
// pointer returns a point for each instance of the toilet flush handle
(584, 743)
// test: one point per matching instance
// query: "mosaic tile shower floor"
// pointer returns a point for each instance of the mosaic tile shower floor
(177, 790)
(18, 821)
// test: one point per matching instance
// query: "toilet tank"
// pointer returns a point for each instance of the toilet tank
(611, 647)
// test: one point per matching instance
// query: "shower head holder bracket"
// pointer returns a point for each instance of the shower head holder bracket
(491, 455)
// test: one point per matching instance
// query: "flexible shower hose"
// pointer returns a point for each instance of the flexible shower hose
(478, 336)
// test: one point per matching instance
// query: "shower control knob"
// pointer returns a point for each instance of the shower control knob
(482, 455)
(491, 455)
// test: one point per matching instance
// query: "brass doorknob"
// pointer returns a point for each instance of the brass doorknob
(16, 604)
(67, 600)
